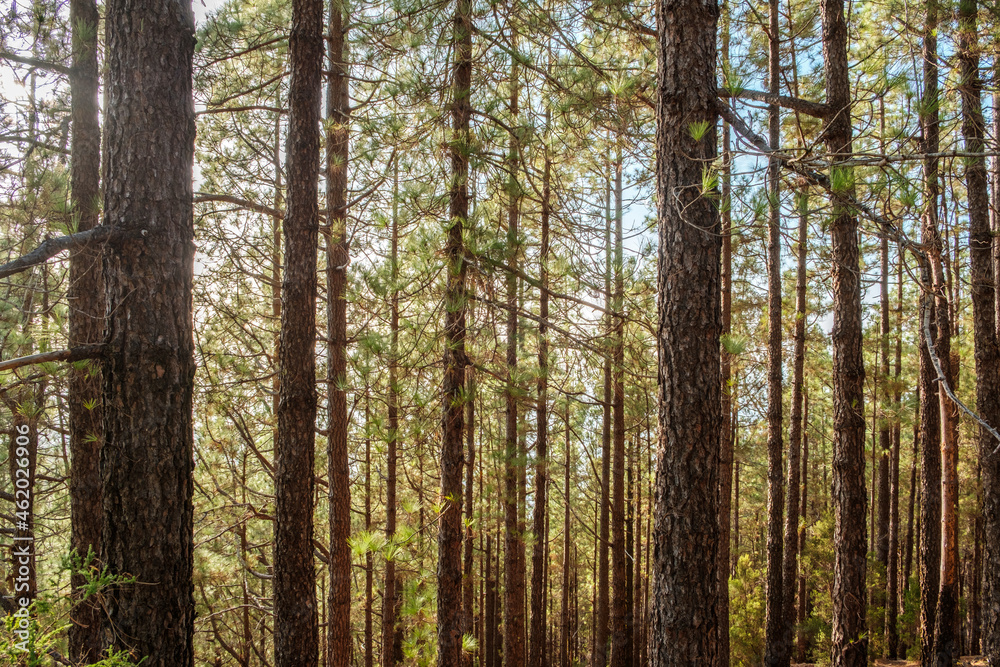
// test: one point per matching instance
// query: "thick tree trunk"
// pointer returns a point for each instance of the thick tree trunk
(987, 351)
(338, 104)
(850, 644)
(86, 326)
(296, 633)
(684, 595)
(148, 374)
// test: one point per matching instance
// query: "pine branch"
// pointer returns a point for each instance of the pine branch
(52, 247)
(77, 353)
(37, 63)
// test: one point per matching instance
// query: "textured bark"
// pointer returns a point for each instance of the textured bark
(296, 633)
(514, 598)
(621, 610)
(801, 640)
(86, 327)
(777, 640)
(369, 561)
(987, 351)
(389, 586)
(338, 104)
(892, 567)
(449, 572)
(884, 430)
(148, 374)
(468, 580)
(539, 552)
(929, 557)
(565, 652)
(791, 553)
(684, 593)
(490, 614)
(850, 644)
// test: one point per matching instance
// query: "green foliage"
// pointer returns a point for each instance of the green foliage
(746, 614)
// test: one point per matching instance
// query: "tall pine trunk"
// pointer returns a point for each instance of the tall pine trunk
(449, 601)
(296, 632)
(929, 556)
(795, 435)
(850, 644)
(514, 600)
(148, 374)
(621, 611)
(684, 594)
(389, 585)
(776, 639)
(338, 104)
(539, 553)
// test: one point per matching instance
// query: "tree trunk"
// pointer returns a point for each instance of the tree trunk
(389, 586)
(86, 324)
(776, 638)
(884, 430)
(802, 640)
(601, 632)
(987, 352)
(684, 604)
(490, 615)
(850, 644)
(296, 633)
(338, 104)
(449, 602)
(892, 571)
(369, 562)
(467, 551)
(790, 561)
(621, 612)
(514, 602)
(565, 655)
(930, 425)
(148, 373)
(539, 553)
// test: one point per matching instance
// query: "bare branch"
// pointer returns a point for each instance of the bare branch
(52, 247)
(203, 198)
(78, 353)
(37, 63)
(808, 107)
